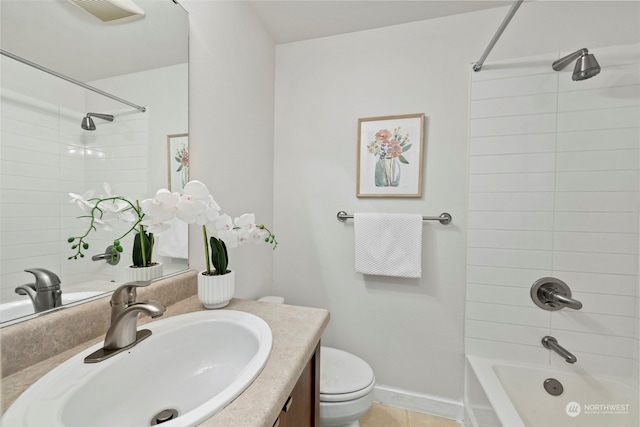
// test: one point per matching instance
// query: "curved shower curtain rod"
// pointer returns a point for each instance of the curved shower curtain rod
(514, 7)
(69, 79)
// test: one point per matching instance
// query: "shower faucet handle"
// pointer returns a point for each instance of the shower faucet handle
(553, 294)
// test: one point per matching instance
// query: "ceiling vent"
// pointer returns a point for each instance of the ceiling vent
(111, 11)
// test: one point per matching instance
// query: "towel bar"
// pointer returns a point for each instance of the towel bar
(444, 217)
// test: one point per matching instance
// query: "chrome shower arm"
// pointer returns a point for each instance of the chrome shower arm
(514, 8)
(563, 62)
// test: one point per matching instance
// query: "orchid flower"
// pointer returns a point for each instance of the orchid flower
(196, 205)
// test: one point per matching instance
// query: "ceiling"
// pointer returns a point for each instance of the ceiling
(295, 20)
(65, 38)
(61, 36)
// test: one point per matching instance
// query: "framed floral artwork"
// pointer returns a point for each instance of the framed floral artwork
(390, 152)
(178, 151)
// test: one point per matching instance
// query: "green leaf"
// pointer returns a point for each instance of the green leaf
(406, 147)
(219, 255)
(71, 239)
(403, 160)
(136, 254)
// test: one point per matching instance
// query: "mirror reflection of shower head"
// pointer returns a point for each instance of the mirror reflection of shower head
(87, 121)
(586, 64)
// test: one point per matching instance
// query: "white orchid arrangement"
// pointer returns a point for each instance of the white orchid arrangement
(196, 206)
(101, 211)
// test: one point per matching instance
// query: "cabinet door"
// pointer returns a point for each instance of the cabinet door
(303, 406)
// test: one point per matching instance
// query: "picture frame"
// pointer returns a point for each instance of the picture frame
(178, 161)
(390, 156)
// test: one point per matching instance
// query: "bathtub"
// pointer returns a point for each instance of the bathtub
(506, 394)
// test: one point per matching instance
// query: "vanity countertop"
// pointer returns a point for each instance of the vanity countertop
(296, 332)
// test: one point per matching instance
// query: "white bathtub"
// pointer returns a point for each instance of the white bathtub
(505, 394)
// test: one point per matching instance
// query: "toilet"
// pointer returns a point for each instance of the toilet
(346, 384)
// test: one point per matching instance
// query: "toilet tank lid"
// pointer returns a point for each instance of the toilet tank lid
(342, 372)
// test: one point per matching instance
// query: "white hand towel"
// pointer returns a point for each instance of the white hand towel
(388, 244)
(174, 242)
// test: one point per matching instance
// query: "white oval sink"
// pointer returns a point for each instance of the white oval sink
(24, 307)
(194, 364)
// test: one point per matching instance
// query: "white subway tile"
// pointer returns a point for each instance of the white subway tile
(579, 321)
(35, 158)
(600, 98)
(602, 139)
(616, 305)
(539, 202)
(509, 314)
(515, 86)
(532, 221)
(514, 105)
(593, 201)
(513, 125)
(512, 163)
(28, 143)
(11, 126)
(602, 160)
(516, 182)
(597, 181)
(505, 295)
(597, 283)
(622, 243)
(505, 277)
(625, 117)
(507, 239)
(527, 335)
(578, 342)
(597, 222)
(513, 258)
(513, 144)
(595, 262)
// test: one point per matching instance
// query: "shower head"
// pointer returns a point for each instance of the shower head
(87, 121)
(586, 64)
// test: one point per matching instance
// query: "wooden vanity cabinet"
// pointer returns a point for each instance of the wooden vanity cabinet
(302, 408)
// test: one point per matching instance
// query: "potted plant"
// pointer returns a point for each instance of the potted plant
(196, 206)
(100, 211)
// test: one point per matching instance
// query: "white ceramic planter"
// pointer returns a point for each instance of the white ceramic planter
(145, 273)
(216, 291)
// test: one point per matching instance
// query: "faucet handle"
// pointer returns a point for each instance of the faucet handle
(126, 294)
(44, 278)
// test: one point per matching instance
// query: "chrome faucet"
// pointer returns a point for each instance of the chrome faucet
(552, 344)
(45, 293)
(556, 298)
(550, 293)
(123, 332)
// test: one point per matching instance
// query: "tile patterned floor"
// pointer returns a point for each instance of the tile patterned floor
(389, 416)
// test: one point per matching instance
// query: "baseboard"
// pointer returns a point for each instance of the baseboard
(419, 402)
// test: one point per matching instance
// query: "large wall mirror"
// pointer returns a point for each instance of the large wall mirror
(46, 153)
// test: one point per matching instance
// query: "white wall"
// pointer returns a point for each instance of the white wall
(553, 191)
(411, 332)
(231, 78)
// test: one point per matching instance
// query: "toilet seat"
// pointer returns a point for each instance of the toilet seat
(343, 376)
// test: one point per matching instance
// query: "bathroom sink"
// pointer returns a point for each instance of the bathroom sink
(191, 367)
(24, 307)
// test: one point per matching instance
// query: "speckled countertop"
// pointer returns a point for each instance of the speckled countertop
(296, 332)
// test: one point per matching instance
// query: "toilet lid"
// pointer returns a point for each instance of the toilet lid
(343, 374)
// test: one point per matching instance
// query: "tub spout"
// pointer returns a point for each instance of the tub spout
(552, 344)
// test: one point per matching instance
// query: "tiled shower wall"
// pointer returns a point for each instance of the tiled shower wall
(553, 191)
(44, 155)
